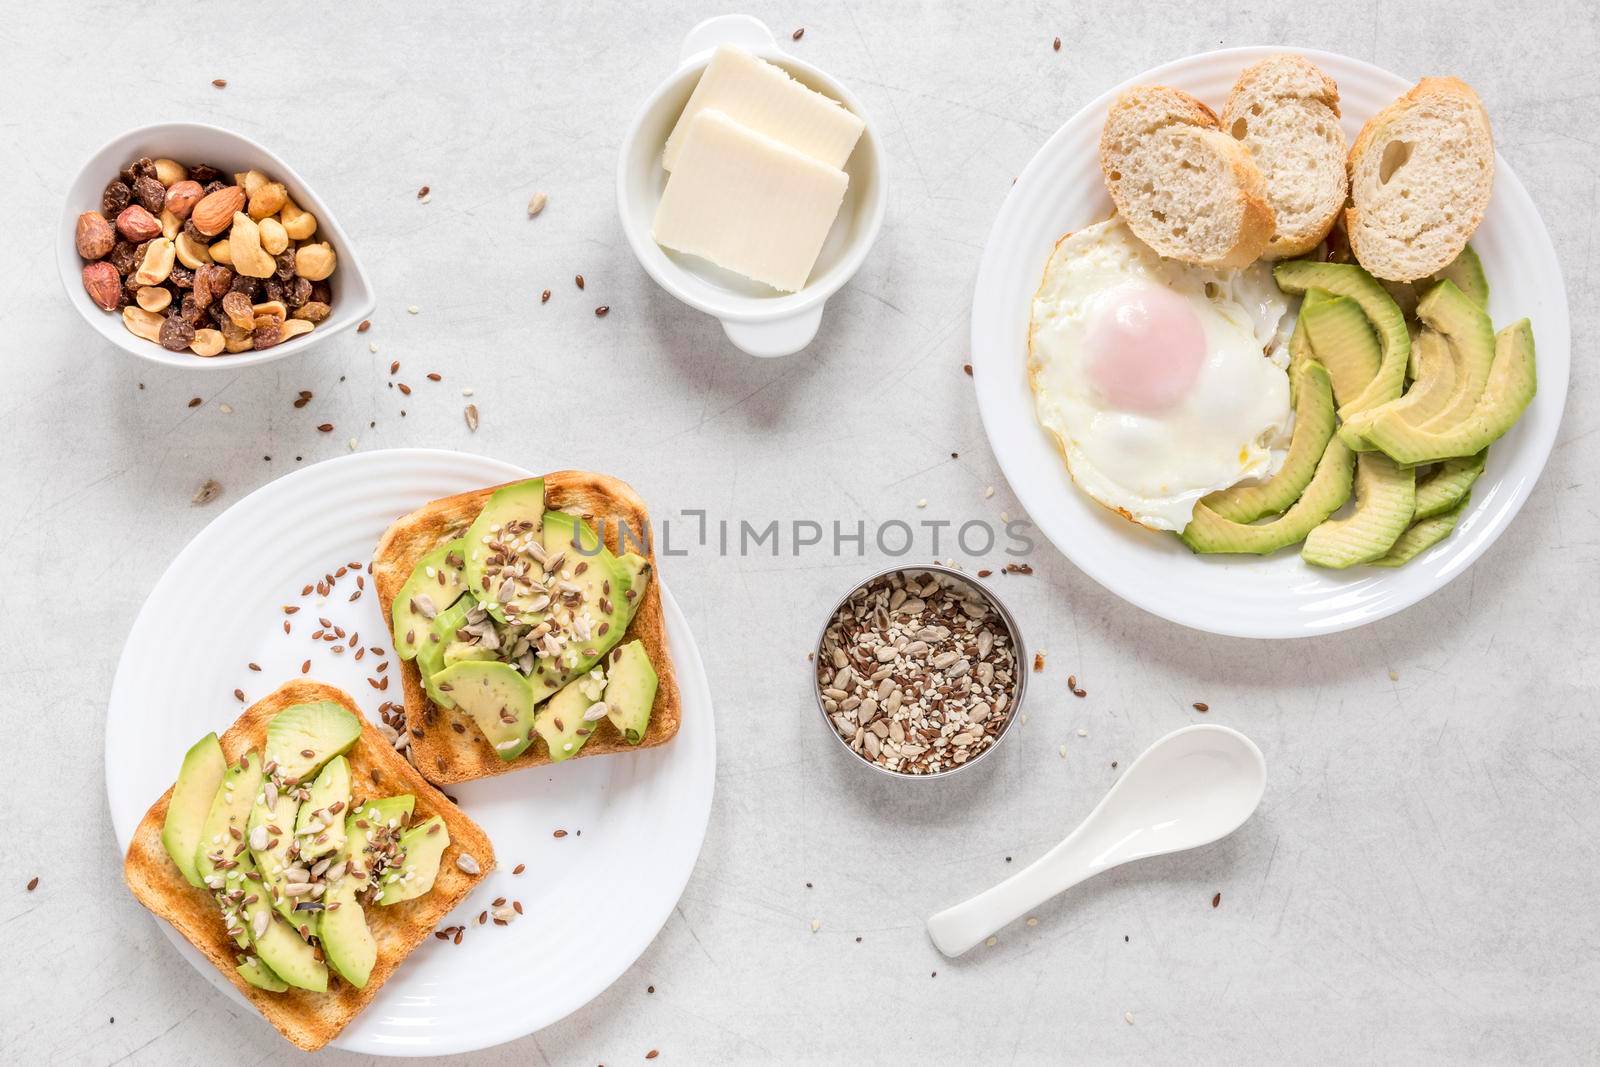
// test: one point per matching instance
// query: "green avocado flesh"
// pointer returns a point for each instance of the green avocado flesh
(198, 780)
(1349, 280)
(1470, 338)
(275, 824)
(319, 827)
(1209, 532)
(392, 812)
(260, 975)
(1447, 485)
(422, 846)
(276, 942)
(1433, 388)
(1385, 499)
(1342, 341)
(631, 685)
(1505, 396)
(1313, 427)
(1423, 535)
(498, 698)
(435, 583)
(564, 720)
(430, 658)
(1465, 272)
(510, 520)
(346, 941)
(324, 729)
(227, 818)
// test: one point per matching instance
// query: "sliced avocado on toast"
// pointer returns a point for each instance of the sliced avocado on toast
(430, 656)
(436, 582)
(1329, 488)
(198, 780)
(282, 949)
(1447, 485)
(271, 838)
(1423, 535)
(228, 816)
(1385, 500)
(1509, 390)
(631, 689)
(498, 698)
(319, 826)
(422, 845)
(569, 718)
(303, 738)
(258, 974)
(497, 541)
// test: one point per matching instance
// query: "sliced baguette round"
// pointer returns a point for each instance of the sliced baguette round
(1286, 112)
(1187, 189)
(1421, 171)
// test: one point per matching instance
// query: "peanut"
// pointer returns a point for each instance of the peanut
(207, 342)
(170, 224)
(296, 327)
(170, 171)
(297, 223)
(157, 264)
(270, 308)
(221, 252)
(153, 298)
(191, 253)
(267, 199)
(142, 323)
(273, 237)
(314, 262)
(242, 343)
(244, 245)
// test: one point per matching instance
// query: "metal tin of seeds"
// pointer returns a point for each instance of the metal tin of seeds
(1013, 633)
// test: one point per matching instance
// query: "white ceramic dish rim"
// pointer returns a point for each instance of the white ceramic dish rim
(692, 680)
(698, 45)
(993, 364)
(355, 300)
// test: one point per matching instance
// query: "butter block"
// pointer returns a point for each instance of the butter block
(748, 203)
(765, 98)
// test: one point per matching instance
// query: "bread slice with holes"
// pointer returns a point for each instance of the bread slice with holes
(309, 1019)
(1421, 171)
(1186, 188)
(446, 745)
(1285, 111)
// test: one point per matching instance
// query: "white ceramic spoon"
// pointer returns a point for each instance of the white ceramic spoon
(1192, 787)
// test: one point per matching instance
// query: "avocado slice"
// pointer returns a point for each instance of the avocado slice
(272, 827)
(226, 819)
(1386, 496)
(1466, 271)
(568, 719)
(1471, 339)
(1349, 280)
(1423, 535)
(436, 582)
(199, 777)
(1341, 337)
(631, 684)
(348, 944)
(258, 974)
(1432, 390)
(1447, 485)
(319, 828)
(1313, 426)
(323, 729)
(422, 845)
(499, 699)
(601, 594)
(1510, 388)
(1209, 532)
(275, 941)
(503, 531)
(393, 812)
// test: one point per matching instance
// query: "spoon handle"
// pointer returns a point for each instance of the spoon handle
(957, 929)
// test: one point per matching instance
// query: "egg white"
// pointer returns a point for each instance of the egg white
(1232, 424)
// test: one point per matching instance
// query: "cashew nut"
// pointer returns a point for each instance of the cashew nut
(207, 342)
(153, 298)
(191, 253)
(314, 262)
(273, 238)
(244, 245)
(297, 223)
(142, 323)
(157, 264)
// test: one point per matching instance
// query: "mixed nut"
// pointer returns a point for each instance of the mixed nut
(197, 263)
(917, 672)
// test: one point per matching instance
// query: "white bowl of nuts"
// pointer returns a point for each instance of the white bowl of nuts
(194, 246)
(920, 671)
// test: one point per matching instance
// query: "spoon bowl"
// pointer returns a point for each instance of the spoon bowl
(1192, 787)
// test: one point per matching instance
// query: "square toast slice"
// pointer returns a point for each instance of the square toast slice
(445, 753)
(310, 1020)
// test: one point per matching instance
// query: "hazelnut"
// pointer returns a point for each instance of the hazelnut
(314, 262)
(142, 323)
(273, 239)
(153, 298)
(157, 263)
(94, 236)
(207, 342)
(104, 287)
(244, 245)
(182, 197)
(191, 253)
(215, 211)
(170, 171)
(267, 199)
(137, 224)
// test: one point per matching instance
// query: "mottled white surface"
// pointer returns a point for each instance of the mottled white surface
(1420, 882)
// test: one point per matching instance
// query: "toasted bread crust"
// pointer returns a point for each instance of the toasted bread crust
(447, 755)
(310, 1020)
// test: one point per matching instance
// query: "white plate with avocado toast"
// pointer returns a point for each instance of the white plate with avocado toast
(1276, 595)
(630, 824)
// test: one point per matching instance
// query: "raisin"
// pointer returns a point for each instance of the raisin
(213, 186)
(121, 256)
(150, 193)
(312, 311)
(131, 285)
(210, 282)
(193, 233)
(296, 292)
(273, 290)
(143, 167)
(189, 311)
(268, 334)
(233, 332)
(250, 287)
(181, 276)
(322, 292)
(204, 173)
(285, 269)
(176, 334)
(237, 307)
(116, 197)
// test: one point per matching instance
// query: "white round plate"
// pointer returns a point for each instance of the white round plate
(635, 821)
(1278, 596)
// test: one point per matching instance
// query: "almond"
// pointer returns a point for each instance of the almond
(214, 213)
(100, 281)
(183, 196)
(95, 237)
(137, 224)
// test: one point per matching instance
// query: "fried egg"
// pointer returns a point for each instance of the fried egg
(1160, 382)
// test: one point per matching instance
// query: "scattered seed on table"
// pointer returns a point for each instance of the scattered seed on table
(559, 833)
(433, 377)
(519, 868)
(33, 883)
(536, 204)
(1201, 706)
(422, 193)
(544, 298)
(255, 666)
(366, 324)
(220, 83)
(1057, 45)
(579, 281)
(601, 311)
(305, 668)
(238, 694)
(1216, 900)
(405, 390)
(797, 34)
(196, 402)
(966, 368)
(472, 416)
(209, 490)
(394, 368)
(413, 309)
(326, 427)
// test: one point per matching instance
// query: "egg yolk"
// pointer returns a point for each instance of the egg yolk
(1145, 345)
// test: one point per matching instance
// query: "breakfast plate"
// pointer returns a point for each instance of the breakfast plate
(634, 823)
(1060, 191)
